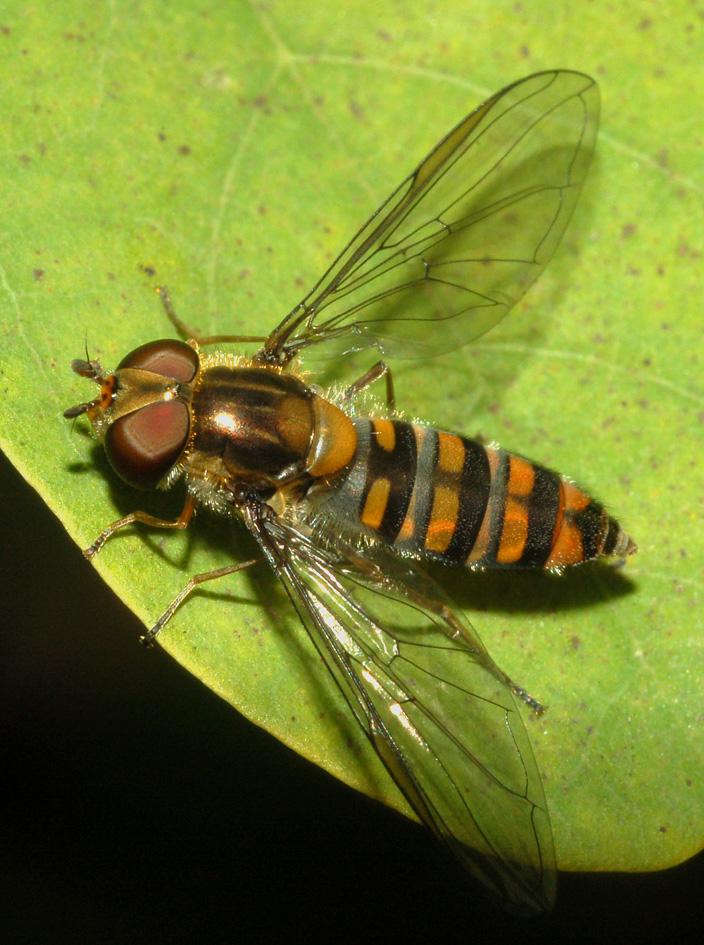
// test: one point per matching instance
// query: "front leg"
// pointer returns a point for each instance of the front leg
(188, 332)
(145, 519)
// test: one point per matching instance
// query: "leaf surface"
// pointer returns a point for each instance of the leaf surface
(230, 156)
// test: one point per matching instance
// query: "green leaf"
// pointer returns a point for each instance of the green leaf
(230, 155)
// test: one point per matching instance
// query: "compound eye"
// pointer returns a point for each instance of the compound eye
(143, 446)
(174, 359)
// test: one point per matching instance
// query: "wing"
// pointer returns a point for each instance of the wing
(462, 238)
(434, 706)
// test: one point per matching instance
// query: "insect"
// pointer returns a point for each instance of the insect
(344, 500)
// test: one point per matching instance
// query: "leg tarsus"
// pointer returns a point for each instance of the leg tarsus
(518, 691)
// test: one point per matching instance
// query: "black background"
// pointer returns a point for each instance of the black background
(139, 807)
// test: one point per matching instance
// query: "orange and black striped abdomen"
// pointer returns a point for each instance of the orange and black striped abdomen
(438, 495)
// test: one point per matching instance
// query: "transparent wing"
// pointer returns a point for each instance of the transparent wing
(462, 238)
(434, 706)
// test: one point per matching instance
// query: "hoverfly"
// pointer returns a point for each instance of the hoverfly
(344, 500)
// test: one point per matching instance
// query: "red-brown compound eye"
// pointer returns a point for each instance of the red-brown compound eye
(167, 357)
(143, 446)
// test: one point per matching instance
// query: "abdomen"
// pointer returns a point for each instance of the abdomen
(431, 494)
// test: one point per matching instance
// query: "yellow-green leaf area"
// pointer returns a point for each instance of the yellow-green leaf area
(229, 151)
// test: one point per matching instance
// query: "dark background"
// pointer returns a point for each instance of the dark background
(139, 807)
